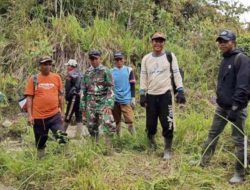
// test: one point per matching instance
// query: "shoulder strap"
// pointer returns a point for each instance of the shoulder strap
(35, 82)
(129, 69)
(170, 59)
(237, 58)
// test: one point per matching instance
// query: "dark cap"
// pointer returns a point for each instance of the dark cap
(45, 59)
(95, 53)
(118, 55)
(158, 35)
(227, 35)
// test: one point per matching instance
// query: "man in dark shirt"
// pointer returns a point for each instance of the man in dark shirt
(232, 100)
(72, 95)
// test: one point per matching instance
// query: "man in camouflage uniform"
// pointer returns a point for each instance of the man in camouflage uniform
(98, 97)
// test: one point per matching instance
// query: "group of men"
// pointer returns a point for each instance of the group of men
(102, 96)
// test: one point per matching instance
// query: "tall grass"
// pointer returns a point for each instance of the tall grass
(85, 165)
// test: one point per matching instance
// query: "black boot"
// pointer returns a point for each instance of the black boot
(168, 149)
(207, 154)
(152, 143)
(131, 130)
(40, 153)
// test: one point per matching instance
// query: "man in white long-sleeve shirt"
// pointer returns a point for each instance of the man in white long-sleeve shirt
(155, 91)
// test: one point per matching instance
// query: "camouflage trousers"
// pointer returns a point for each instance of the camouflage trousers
(99, 122)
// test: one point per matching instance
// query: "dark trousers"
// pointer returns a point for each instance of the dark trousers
(216, 129)
(159, 106)
(75, 110)
(41, 129)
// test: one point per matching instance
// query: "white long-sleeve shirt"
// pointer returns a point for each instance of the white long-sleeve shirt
(155, 76)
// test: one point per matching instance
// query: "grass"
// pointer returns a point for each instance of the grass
(84, 165)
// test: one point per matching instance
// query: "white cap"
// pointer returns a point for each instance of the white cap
(71, 62)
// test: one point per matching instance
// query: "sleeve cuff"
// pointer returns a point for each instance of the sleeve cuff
(180, 90)
(142, 92)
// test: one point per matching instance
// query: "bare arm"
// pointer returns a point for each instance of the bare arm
(61, 103)
(29, 108)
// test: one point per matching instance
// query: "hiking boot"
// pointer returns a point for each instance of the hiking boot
(40, 153)
(109, 145)
(167, 149)
(95, 137)
(79, 129)
(152, 143)
(237, 178)
(132, 130)
(61, 137)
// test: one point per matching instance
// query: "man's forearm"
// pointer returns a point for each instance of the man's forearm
(132, 87)
(61, 103)
(29, 105)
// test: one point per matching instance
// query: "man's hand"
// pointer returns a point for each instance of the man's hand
(30, 120)
(133, 103)
(108, 111)
(180, 97)
(143, 100)
(233, 115)
(84, 115)
(62, 116)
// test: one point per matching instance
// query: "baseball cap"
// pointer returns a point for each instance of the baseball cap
(95, 53)
(45, 59)
(158, 35)
(71, 62)
(118, 55)
(227, 35)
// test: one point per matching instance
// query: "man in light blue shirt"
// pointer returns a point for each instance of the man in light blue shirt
(124, 87)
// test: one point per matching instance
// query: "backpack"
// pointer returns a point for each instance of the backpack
(170, 59)
(236, 59)
(23, 103)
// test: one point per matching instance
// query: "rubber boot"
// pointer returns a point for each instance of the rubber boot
(131, 130)
(95, 137)
(79, 129)
(167, 149)
(238, 177)
(65, 126)
(118, 129)
(109, 145)
(40, 153)
(151, 141)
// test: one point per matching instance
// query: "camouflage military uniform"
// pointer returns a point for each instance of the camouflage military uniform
(98, 94)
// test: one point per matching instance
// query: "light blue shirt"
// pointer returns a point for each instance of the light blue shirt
(122, 84)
